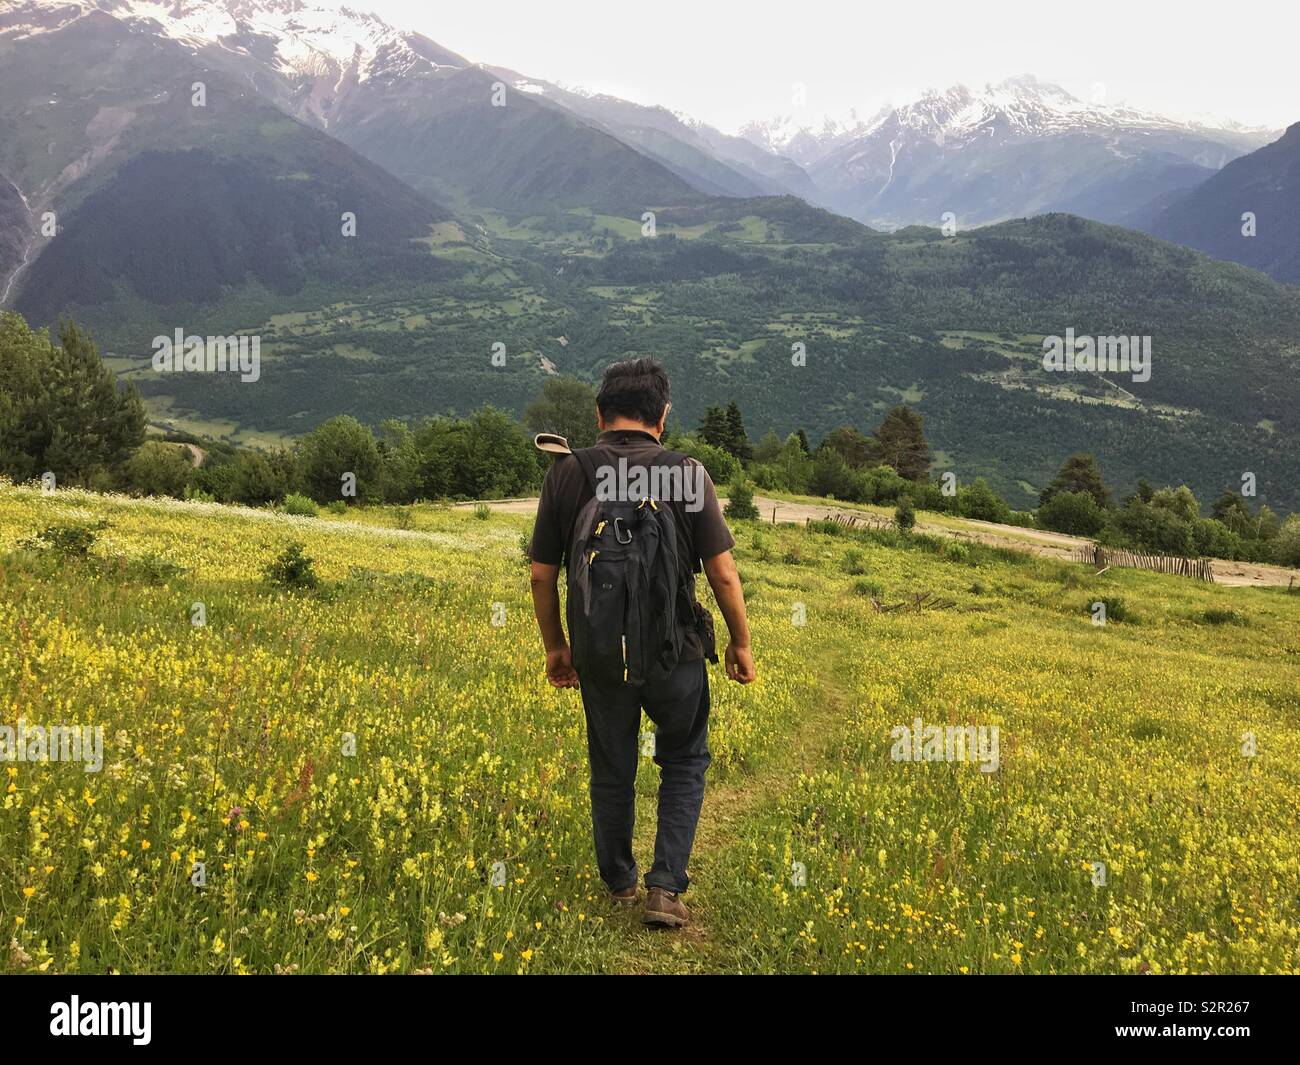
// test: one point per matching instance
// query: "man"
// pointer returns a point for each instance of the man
(631, 408)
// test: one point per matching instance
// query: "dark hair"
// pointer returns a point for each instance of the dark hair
(635, 388)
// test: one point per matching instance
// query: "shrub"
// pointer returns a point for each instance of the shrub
(482, 511)
(1115, 608)
(740, 504)
(905, 514)
(980, 502)
(66, 539)
(292, 570)
(1223, 616)
(722, 467)
(336, 506)
(403, 518)
(1286, 545)
(831, 476)
(299, 506)
(852, 562)
(1074, 513)
(868, 587)
(160, 469)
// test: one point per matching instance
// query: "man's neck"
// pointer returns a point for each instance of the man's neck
(628, 425)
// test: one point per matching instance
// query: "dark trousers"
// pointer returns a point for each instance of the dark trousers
(680, 710)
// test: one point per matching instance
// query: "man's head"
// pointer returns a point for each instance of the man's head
(633, 395)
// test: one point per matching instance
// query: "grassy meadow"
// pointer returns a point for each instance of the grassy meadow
(374, 777)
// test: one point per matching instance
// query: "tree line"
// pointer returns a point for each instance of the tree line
(63, 412)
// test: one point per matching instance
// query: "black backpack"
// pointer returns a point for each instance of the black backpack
(628, 607)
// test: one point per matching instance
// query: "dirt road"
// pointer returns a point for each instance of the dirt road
(1036, 541)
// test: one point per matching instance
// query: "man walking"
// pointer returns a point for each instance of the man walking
(633, 524)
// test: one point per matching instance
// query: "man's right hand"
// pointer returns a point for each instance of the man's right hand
(740, 664)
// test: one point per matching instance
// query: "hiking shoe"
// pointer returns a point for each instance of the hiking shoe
(664, 908)
(626, 897)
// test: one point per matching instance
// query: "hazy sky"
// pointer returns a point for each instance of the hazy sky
(729, 62)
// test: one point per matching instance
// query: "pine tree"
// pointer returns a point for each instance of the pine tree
(737, 440)
(900, 442)
(1079, 473)
(714, 429)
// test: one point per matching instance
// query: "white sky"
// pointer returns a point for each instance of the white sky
(728, 62)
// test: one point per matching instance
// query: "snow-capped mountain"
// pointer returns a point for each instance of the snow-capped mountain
(1009, 149)
(303, 54)
(1014, 148)
(803, 141)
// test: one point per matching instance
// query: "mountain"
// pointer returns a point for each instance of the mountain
(1211, 217)
(17, 234)
(417, 109)
(807, 144)
(162, 205)
(1017, 148)
(517, 230)
(709, 160)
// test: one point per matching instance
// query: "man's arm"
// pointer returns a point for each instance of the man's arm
(546, 606)
(725, 582)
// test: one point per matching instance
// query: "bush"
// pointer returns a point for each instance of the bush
(482, 511)
(852, 562)
(334, 449)
(1116, 610)
(980, 502)
(259, 479)
(905, 514)
(160, 469)
(71, 540)
(336, 506)
(1074, 513)
(299, 506)
(882, 484)
(723, 468)
(1223, 616)
(1286, 545)
(869, 588)
(832, 477)
(740, 501)
(292, 570)
(1151, 528)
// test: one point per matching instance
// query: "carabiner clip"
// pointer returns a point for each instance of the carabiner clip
(618, 524)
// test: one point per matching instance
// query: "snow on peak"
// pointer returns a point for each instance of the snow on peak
(1021, 106)
(310, 38)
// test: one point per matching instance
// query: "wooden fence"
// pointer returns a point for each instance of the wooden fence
(856, 521)
(1101, 557)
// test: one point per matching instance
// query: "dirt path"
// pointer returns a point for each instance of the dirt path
(699, 948)
(1036, 541)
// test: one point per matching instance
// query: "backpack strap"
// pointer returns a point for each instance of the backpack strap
(583, 455)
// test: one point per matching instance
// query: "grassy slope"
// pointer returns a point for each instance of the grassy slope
(1119, 744)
